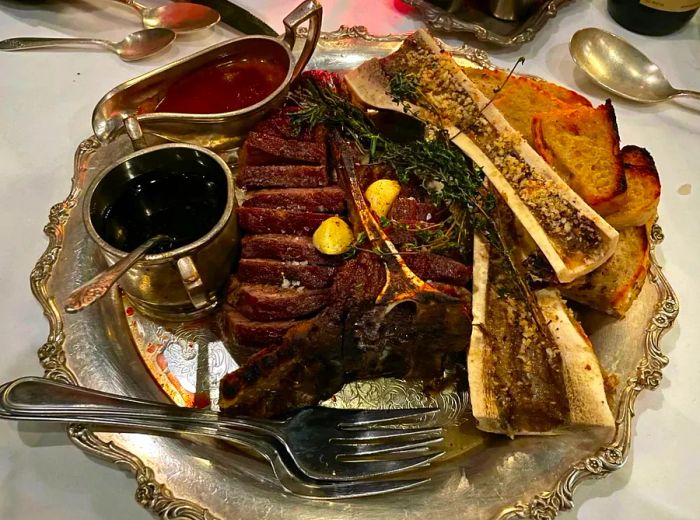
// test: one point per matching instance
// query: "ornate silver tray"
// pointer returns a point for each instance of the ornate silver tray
(483, 26)
(108, 347)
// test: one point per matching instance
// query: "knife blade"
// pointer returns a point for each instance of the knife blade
(236, 17)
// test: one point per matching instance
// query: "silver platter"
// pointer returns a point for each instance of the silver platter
(106, 347)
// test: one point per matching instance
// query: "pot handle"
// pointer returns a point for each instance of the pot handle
(309, 10)
(135, 133)
(193, 282)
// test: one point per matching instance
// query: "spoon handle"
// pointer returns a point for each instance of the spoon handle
(97, 287)
(133, 3)
(691, 93)
(20, 44)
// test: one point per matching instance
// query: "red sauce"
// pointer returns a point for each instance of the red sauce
(224, 86)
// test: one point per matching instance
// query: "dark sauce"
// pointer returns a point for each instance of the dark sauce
(224, 86)
(185, 205)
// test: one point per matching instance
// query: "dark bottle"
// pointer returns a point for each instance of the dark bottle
(653, 17)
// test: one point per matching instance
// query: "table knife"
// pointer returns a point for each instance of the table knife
(236, 17)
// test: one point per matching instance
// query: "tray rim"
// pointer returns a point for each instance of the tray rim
(440, 20)
(157, 498)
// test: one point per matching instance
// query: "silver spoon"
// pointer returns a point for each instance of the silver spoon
(98, 286)
(620, 68)
(180, 17)
(135, 46)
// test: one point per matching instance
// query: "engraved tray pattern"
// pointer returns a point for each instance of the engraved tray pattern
(178, 478)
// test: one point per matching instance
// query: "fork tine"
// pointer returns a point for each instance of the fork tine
(361, 418)
(377, 468)
(356, 450)
(385, 434)
(343, 490)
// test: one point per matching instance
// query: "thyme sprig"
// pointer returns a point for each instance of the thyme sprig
(441, 168)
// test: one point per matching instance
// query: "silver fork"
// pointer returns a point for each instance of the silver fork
(284, 469)
(322, 443)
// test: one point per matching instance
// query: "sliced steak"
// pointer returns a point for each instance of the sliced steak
(263, 220)
(280, 126)
(330, 199)
(285, 247)
(409, 209)
(428, 266)
(406, 232)
(268, 149)
(257, 334)
(270, 302)
(297, 176)
(285, 274)
(368, 173)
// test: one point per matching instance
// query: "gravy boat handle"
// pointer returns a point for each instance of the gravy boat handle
(309, 10)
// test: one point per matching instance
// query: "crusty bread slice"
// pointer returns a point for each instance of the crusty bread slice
(643, 189)
(583, 146)
(569, 97)
(489, 80)
(613, 287)
(519, 99)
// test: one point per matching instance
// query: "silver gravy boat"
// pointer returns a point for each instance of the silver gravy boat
(122, 107)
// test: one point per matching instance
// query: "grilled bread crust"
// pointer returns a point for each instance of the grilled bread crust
(643, 188)
(613, 287)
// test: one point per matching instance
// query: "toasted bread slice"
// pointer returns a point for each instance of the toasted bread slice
(569, 97)
(489, 80)
(584, 147)
(643, 189)
(613, 287)
(519, 99)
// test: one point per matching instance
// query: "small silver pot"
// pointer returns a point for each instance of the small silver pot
(185, 283)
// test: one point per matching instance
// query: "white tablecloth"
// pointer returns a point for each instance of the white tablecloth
(46, 100)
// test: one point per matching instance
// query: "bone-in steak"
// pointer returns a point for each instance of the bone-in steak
(315, 317)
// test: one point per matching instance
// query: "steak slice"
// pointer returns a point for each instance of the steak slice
(292, 176)
(410, 209)
(268, 149)
(280, 126)
(285, 247)
(428, 266)
(264, 220)
(270, 303)
(329, 199)
(257, 334)
(285, 274)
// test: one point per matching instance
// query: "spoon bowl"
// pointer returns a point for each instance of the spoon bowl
(144, 43)
(180, 17)
(620, 68)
